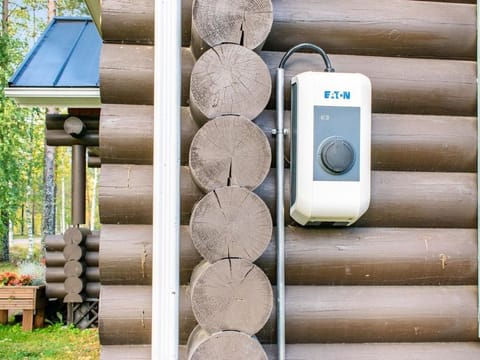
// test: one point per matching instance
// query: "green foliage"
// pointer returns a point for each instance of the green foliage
(53, 342)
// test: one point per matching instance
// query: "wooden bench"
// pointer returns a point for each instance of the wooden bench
(30, 299)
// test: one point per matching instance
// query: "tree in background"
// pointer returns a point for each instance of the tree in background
(22, 130)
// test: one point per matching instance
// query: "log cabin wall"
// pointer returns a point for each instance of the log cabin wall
(403, 280)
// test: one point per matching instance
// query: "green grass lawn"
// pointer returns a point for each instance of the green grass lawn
(52, 342)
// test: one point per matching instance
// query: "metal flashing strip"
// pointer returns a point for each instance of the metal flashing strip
(61, 97)
(166, 181)
(478, 169)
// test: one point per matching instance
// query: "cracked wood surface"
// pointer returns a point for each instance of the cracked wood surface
(237, 345)
(229, 150)
(231, 222)
(229, 79)
(231, 294)
(242, 22)
(318, 314)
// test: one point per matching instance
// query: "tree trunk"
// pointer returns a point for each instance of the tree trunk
(4, 235)
(5, 17)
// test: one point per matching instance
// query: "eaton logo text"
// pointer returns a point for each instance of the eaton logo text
(327, 94)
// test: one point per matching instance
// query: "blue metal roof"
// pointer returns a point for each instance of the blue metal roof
(66, 55)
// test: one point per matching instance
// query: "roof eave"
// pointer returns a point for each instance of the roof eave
(88, 97)
(95, 9)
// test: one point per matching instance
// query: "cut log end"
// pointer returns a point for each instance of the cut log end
(238, 346)
(229, 150)
(246, 23)
(75, 235)
(231, 294)
(231, 222)
(229, 79)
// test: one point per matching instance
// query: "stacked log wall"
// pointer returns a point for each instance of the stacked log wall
(418, 239)
(55, 266)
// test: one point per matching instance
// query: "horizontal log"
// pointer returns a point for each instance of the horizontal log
(56, 121)
(60, 138)
(56, 258)
(57, 243)
(369, 351)
(350, 27)
(92, 274)
(94, 162)
(56, 290)
(54, 274)
(126, 74)
(318, 314)
(399, 85)
(349, 256)
(399, 142)
(398, 199)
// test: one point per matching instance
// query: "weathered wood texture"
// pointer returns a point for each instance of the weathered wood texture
(231, 294)
(215, 22)
(57, 290)
(55, 274)
(399, 85)
(239, 346)
(128, 21)
(76, 236)
(353, 27)
(349, 256)
(350, 27)
(229, 80)
(132, 22)
(126, 74)
(231, 222)
(229, 150)
(371, 351)
(400, 142)
(398, 199)
(318, 314)
(56, 258)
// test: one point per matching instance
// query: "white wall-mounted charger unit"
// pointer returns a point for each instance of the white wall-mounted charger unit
(330, 147)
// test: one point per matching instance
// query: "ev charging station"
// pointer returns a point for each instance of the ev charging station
(330, 149)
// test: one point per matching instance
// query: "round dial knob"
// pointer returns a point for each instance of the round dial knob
(337, 155)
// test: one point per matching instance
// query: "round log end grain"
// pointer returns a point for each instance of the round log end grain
(245, 22)
(73, 252)
(229, 150)
(231, 222)
(231, 294)
(75, 235)
(74, 285)
(229, 79)
(73, 268)
(233, 345)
